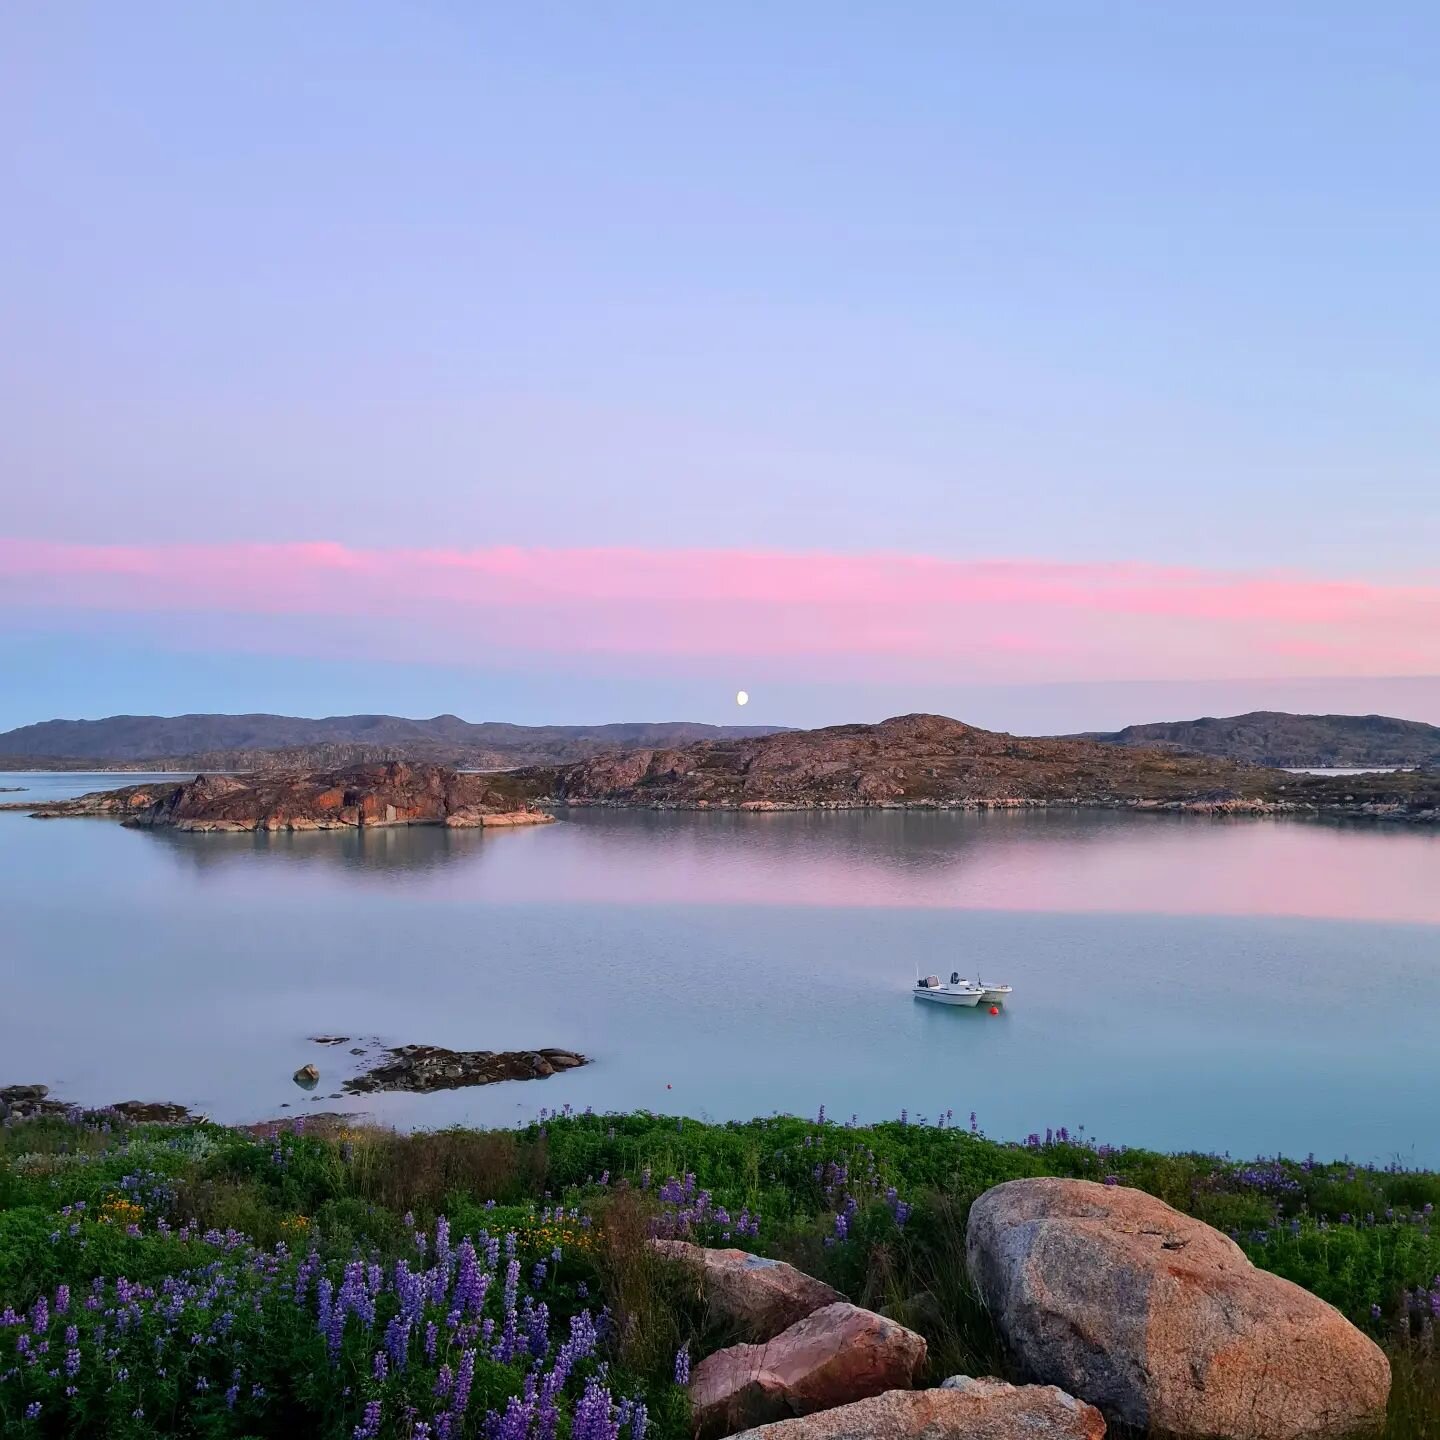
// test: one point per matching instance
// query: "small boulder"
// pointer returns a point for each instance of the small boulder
(839, 1354)
(1162, 1321)
(962, 1409)
(759, 1297)
(307, 1077)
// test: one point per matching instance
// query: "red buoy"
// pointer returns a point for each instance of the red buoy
(994, 1009)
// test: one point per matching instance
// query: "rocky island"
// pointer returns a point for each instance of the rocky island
(361, 797)
(930, 761)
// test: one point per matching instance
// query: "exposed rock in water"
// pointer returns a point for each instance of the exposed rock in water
(760, 1297)
(962, 1409)
(362, 797)
(329, 1039)
(1162, 1321)
(307, 1077)
(836, 1355)
(424, 1068)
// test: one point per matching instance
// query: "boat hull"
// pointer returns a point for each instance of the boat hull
(949, 997)
(997, 997)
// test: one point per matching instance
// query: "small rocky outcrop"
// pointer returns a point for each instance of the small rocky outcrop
(962, 1409)
(362, 797)
(1161, 1321)
(423, 1068)
(757, 1296)
(836, 1355)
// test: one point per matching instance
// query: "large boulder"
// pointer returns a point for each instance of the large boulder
(1161, 1321)
(963, 1409)
(759, 1297)
(839, 1354)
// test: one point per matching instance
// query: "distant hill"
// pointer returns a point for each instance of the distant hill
(1272, 737)
(241, 742)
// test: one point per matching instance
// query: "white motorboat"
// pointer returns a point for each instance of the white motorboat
(957, 992)
(994, 994)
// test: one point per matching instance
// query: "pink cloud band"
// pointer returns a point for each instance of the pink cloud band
(893, 614)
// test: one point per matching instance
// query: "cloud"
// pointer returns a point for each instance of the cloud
(818, 615)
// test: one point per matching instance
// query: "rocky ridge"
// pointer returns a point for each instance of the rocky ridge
(930, 761)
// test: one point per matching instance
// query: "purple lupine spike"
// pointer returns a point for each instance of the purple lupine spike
(594, 1415)
(369, 1427)
(464, 1378)
(514, 1424)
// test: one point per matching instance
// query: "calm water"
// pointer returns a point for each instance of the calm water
(1243, 985)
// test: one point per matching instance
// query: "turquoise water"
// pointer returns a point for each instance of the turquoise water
(1241, 985)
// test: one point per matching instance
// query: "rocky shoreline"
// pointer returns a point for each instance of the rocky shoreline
(33, 1102)
(416, 1069)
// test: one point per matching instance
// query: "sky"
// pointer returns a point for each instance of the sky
(1053, 365)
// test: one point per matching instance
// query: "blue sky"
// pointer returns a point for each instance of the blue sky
(1087, 284)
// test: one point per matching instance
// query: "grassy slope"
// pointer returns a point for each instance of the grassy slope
(1361, 1238)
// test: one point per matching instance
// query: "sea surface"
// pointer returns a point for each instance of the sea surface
(1243, 985)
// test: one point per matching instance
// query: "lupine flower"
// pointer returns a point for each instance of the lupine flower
(682, 1365)
(369, 1427)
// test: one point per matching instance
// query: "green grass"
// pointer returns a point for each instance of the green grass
(91, 1202)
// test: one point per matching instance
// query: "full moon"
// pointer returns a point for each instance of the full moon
(742, 697)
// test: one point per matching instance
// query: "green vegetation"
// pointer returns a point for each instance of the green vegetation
(198, 1280)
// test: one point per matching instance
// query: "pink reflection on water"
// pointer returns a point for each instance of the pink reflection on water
(1057, 863)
